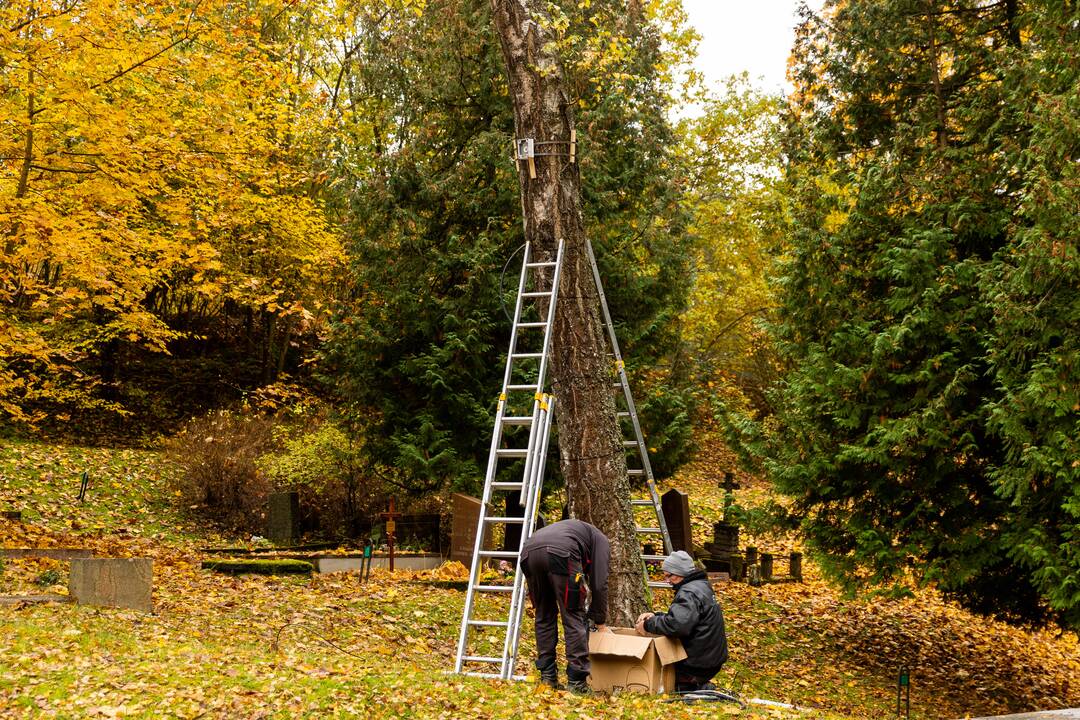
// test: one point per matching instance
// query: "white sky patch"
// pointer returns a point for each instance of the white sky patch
(745, 35)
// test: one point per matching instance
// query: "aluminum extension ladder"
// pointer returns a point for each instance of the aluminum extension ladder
(532, 361)
(529, 359)
(645, 526)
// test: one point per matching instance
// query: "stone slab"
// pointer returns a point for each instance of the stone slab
(283, 520)
(401, 562)
(1064, 714)
(675, 505)
(52, 553)
(466, 516)
(34, 599)
(112, 582)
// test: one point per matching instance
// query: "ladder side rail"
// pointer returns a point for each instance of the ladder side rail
(496, 439)
(541, 375)
(527, 484)
(628, 396)
(531, 510)
(619, 364)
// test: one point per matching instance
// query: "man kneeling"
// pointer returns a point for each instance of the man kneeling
(695, 618)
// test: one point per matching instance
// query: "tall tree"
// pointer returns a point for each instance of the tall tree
(1035, 294)
(736, 192)
(590, 444)
(902, 141)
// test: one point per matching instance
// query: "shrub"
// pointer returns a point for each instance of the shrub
(260, 566)
(323, 463)
(219, 478)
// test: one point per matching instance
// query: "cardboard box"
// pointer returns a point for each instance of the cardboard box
(623, 661)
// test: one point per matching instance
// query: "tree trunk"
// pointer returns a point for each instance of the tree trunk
(582, 375)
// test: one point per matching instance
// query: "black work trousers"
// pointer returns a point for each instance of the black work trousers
(689, 677)
(555, 588)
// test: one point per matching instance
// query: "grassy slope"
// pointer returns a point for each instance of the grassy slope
(219, 646)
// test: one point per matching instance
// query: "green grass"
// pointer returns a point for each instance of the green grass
(127, 492)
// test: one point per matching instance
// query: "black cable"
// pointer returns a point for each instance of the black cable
(692, 696)
(502, 291)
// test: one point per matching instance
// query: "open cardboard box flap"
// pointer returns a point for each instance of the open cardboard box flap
(625, 642)
(670, 651)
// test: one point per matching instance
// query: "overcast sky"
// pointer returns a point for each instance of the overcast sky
(751, 35)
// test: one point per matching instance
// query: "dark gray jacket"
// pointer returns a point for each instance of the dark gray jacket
(582, 543)
(696, 619)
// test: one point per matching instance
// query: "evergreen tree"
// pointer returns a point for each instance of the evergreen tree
(1035, 294)
(418, 348)
(902, 143)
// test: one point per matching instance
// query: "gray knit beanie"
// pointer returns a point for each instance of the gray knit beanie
(679, 563)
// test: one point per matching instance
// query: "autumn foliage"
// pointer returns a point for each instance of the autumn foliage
(154, 186)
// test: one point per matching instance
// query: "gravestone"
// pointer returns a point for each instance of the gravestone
(112, 582)
(723, 551)
(466, 515)
(283, 524)
(795, 566)
(675, 505)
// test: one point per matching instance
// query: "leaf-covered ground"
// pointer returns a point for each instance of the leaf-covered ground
(252, 646)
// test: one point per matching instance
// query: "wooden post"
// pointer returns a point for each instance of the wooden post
(390, 516)
(766, 566)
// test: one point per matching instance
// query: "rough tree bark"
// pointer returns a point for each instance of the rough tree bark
(582, 375)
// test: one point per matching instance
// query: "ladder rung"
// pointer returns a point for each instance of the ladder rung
(532, 324)
(490, 623)
(493, 588)
(508, 554)
(522, 387)
(641, 503)
(550, 263)
(517, 420)
(507, 520)
(635, 473)
(649, 530)
(623, 413)
(536, 294)
(512, 452)
(526, 356)
(506, 485)
(654, 557)
(481, 658)
(629, 443)
(659, 584)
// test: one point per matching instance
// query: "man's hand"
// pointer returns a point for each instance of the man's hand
(639, 626)
(602, 628)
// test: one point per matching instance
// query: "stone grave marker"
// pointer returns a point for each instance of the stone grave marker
(466, 514)
(283, 524)
(112, 582)
(675, 505)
